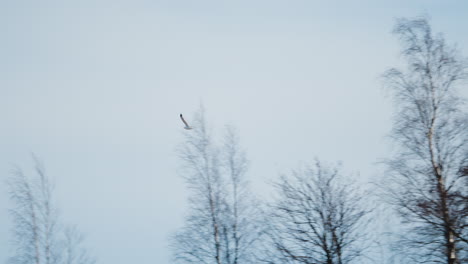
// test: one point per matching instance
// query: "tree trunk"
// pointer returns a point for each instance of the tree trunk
(448, 233)
(215, 229)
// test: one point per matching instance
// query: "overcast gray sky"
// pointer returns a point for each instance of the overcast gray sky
(95, 89)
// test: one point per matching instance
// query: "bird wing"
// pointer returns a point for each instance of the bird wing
(183, 120)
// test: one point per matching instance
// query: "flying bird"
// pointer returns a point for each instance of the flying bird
(185, 123)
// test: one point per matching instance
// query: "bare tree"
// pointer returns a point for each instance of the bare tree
(37, 232)
(424, 180)
(199, 241)
(25, 216)
(318, 217)
(241, 220)
(34, 216)
(73, 251)
(219, 225)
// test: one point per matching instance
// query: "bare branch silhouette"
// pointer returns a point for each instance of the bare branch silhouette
(319, 217)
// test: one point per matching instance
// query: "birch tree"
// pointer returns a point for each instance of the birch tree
(220, 225)
(242, 228)
(38, 235)
(424, 179)
(34, 217)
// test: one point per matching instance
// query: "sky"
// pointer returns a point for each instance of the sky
(94, 88)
